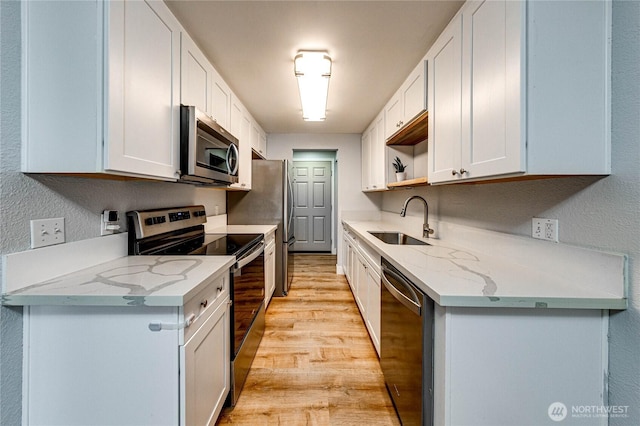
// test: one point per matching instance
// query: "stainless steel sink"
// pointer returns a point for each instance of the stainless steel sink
(398, 238)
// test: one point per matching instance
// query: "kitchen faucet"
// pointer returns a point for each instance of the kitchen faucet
(426, 231)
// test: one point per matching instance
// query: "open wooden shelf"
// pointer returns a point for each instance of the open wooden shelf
(413, 133)
(420, 181)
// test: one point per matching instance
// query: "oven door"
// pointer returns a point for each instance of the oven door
(247, 294)
(247, 316)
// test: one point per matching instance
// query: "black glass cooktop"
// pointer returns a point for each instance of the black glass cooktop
(207, 245)
(227, 244)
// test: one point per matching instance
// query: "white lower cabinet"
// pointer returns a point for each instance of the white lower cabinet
(101, 81)
(362, 269)
(269, 268)
(128, 365)
(206, 364)
(507, 366)
(349, 257)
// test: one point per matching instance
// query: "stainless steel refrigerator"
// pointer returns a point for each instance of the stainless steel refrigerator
(270, 202)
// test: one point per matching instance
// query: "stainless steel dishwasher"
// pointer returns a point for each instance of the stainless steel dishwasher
(406, 344)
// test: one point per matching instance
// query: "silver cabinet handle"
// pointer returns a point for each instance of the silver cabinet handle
(463, 171)
(454, 172)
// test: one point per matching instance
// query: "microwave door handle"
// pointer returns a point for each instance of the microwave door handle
(234, 148)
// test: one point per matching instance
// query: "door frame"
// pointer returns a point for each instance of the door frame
(330, 155)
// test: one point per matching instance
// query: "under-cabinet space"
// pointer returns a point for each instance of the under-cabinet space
(413, 157)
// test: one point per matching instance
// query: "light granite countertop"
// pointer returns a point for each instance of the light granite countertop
(127, 281)
(510, 271)
(98, 272)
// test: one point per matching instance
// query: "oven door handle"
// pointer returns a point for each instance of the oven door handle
(250, 257)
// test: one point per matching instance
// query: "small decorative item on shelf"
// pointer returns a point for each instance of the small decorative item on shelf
(400, 173)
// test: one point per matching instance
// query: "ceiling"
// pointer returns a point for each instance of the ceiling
(373, 44)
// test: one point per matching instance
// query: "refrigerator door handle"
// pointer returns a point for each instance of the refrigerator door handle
(289, 206)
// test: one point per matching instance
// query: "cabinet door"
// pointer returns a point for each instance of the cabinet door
(343, 257)
(263, 144)
(366, 160)
(207, 360)
(361, 284)
(62, 86)
(348, 265)
(393, 115)
(378, 161)
(491, 139)
(445, 114)
(196, 76)
(270, 270)
(257, 139)
(414, 96)
(241, 128)
(373, 306)
(143, 83)
(220, 100)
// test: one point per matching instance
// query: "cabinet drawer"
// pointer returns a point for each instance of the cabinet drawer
(205, 302)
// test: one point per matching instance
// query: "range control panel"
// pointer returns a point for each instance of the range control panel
(148, 223)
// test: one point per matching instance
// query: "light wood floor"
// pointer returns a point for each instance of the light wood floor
(316, 364)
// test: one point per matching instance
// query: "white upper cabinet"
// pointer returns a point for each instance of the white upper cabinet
(408, 102)
(202, 86)
(101, 88)
(143, 126)
(241, 128)
(521, 88)
(445, 114)
(374, 156)
(258, 140)
(196, 76)
(220, 101)
(366, 159)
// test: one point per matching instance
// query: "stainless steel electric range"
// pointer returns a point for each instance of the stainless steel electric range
(180, 231)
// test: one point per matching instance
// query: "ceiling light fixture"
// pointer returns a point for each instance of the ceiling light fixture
(313, 70)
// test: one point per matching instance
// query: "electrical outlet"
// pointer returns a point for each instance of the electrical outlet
(47, 232)
(545, 229)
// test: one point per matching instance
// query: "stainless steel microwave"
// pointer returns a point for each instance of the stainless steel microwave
(208, 153)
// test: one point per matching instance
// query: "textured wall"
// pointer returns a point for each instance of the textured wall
(79, 201)
(592, 212)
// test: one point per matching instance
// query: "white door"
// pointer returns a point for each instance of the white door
(312, 205)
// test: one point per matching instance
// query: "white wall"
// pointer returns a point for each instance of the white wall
(600, 213)
(79, 201)
(349, 176)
